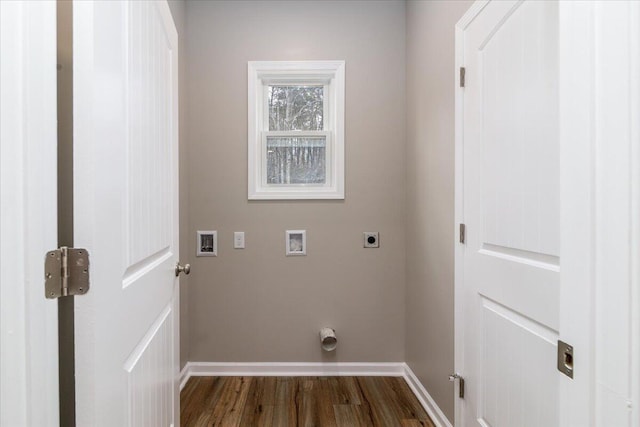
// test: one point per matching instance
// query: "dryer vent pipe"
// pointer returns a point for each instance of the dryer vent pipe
(328, 339)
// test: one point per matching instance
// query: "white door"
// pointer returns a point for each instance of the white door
(509, 266)
(28, 214)
(126, 212)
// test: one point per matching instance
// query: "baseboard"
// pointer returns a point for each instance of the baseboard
(184, 375)
(294, 369)
(437, 416)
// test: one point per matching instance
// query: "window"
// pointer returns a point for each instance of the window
(296, 130)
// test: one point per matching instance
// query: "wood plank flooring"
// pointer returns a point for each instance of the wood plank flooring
(300, 401)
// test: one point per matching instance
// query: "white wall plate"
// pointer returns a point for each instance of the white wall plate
(371, 239)
(207, 243)
(296, 242)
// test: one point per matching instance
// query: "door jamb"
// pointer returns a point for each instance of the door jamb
(459, 248)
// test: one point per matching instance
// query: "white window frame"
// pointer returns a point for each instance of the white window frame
(330, 75)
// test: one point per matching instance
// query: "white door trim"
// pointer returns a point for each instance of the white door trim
(461, 26)
(577, 163)
(28, 196)
(635, 212)
(600, 190)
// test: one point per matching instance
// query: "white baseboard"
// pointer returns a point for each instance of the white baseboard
(437, 416)
(295, 369)
(184, 375)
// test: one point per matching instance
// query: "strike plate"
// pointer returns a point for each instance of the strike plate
(565, 358)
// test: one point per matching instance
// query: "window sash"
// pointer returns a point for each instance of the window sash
(328, 156)
(327, 123)
(327, 132)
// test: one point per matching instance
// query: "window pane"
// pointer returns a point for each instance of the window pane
(296, 107)
(292, 160)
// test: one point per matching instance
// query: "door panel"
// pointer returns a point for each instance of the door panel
(511, 208)
(518, 73)
(149, 375)
(126, 212)
(514, 383)
(149, 139)
(149, 213)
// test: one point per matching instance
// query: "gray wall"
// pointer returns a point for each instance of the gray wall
(256, 304)
(430, 194)
(178, 10)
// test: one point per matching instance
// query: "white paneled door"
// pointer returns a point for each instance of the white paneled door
(126, 212)
(509, 265)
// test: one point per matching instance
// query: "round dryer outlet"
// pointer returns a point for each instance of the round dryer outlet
(371, 239)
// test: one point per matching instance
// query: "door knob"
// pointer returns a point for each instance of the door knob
(180, 269)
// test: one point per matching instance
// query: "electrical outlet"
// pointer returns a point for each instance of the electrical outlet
(371, 239)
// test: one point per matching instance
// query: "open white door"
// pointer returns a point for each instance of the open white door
(507, 324)
(126, 212)
(28, 217)
(507, 273)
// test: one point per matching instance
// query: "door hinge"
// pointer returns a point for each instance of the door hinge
(462, 76)
(460, 384)
(565, 358)
(66, 272)
(463, 232)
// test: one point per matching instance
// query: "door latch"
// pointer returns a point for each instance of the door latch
(460, 383)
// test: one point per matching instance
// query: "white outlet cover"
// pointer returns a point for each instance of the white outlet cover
(207, 243)
(371, 239)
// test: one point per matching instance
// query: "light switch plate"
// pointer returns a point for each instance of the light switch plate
(207, 243)
(238, 239)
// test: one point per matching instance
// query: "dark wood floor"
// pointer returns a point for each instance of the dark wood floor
(300, 401)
